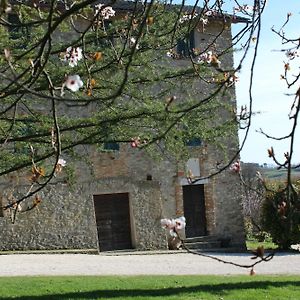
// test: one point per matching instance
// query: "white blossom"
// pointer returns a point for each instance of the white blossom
(167, 223)
(173, 233)
(204, 21)
(244, 8)
(169, 54)
(209, 58)
(232, 79)
(187, 17)
(205, 57)
(210, 13)
(291, 54)
(73, 83)
(105, 12)
(72, 56)
(61, 162)
(180, 223)
(132, 42)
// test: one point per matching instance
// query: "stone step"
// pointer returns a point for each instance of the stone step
(204, 245)
(219, 250)
(204, 238)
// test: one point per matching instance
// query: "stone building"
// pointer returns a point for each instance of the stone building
(121, 195)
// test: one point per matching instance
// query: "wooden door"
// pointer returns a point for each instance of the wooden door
(194, 210)
(113, 221)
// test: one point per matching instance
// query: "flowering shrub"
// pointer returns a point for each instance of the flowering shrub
(281, 214)
(173, 225)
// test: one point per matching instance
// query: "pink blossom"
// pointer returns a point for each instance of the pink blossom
(135, 142)
(167, 223)
(173, 225)
(236, 167)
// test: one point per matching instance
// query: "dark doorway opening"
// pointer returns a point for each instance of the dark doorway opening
(113, 221)
(194, 210)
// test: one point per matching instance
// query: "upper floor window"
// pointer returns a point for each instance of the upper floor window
(194, 142)
(111, 146)
(19, 33)
(186, 45)
(16, 29)
(1, 207)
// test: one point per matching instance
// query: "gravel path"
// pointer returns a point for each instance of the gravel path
(137, 264)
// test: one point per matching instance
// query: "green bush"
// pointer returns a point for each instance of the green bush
(281, 214)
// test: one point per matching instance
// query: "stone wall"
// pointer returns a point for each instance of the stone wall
(66, 219)
(63, 220)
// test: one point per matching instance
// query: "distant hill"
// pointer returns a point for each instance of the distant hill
(273, 173)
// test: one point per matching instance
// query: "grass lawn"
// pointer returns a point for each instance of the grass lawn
(151, 287)
(253, 244)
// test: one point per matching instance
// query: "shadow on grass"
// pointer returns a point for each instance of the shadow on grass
(213, 289)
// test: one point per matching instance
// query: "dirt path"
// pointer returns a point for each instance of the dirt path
(164, 264)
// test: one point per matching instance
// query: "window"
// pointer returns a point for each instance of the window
(186, 45)
(105, 40)
(111, 146)
(194, 142)
(18, 32)
(1, 207)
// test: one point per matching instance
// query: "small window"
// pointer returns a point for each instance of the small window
(18, 32)
(1, 207)
(105, 40)
(15, 29)
(194, 142)
(111, 146)
(186, 45)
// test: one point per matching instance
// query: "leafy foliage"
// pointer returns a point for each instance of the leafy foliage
(281, 214)
(82, 74)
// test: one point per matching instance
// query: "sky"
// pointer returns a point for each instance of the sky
(271, 103)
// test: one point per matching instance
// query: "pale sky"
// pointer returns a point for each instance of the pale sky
(269, 90)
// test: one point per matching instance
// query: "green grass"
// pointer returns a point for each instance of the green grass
(151, 287)
(253, 244)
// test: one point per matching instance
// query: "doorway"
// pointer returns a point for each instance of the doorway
(194, 210)
(113, 221)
